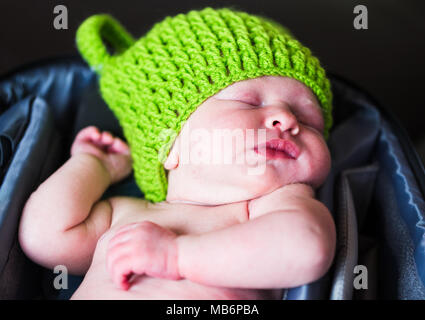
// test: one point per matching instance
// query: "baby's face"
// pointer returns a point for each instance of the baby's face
(249, 139)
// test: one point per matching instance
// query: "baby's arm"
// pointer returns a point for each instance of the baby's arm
(288, 241)
(62, 220)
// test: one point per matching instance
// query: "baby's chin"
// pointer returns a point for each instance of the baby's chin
(236, 190)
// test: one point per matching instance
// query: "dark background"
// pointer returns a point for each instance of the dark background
(387, 59)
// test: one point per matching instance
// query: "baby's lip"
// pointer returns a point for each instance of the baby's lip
(279, 148)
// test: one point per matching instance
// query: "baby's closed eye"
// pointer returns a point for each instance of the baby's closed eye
(250, 98)
(310, 120)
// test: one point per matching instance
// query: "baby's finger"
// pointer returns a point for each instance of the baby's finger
(120, 237)
(116, 253)
(107, 137)
(118, 241)
(119, 146)
(121, 273)
(88, 133)
(112, 263)
(125, 281)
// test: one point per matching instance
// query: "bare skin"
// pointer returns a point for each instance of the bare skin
(128, 248)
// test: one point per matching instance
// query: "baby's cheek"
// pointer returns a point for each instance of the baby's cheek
(320, 163)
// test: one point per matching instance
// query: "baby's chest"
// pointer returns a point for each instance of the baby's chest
(179, 218)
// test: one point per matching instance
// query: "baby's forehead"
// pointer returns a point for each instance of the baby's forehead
(273, 86)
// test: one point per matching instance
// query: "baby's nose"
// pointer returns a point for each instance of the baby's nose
(282, 118)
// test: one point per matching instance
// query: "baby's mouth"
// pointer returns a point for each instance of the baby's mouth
(278, 149)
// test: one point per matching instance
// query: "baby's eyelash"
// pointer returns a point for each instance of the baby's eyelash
(246, 103)
(255, 104)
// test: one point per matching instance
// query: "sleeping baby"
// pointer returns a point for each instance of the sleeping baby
(226, 118)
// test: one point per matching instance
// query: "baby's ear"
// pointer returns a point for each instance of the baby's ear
(172, 161)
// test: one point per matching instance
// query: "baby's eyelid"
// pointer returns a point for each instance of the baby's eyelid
(305, 120)
(247, 100)
(252, 103)
(250, 100)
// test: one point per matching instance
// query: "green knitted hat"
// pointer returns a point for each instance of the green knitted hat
(155, 83)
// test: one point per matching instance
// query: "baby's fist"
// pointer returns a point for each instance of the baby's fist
(142, 248)
(111, 151)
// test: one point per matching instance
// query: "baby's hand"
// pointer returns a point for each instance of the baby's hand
(113, 152)
(142, 248)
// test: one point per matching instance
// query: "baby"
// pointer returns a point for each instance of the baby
(206, 229)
